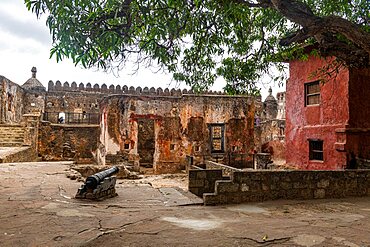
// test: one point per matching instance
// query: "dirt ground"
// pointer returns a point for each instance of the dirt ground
(37, 209)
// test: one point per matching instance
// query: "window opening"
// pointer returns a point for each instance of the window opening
(217, 138)
(312, 93)
(316, 150)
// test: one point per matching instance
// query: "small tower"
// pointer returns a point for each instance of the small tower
(270, 106)
(34, 94)
(33, 84)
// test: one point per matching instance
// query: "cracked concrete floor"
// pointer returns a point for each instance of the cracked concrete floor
(37, 209)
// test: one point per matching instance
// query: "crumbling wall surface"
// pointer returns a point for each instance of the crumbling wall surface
(272, 185)
(315, 121)
(276, 149)
(34, 102)
(181, 126)
(272, 130)
(11, 101)
(67, 142)
(73, 102)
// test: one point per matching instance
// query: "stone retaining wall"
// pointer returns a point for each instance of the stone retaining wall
(203, 181)
(19, 154)
(254, 186)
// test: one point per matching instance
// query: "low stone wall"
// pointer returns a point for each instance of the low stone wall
(19, 154)
(226, 170)
(203, 181)
(252, 186)
(68, 142)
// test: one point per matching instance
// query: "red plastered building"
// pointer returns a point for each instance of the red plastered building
(327, 123)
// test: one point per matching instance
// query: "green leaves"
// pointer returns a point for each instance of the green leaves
(197, 41)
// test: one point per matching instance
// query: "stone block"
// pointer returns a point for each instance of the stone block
(256, 176)
(274, 186)
(193, 173)
(214, 174)
(244, 187)
(323, 183)
(293, 194)
(226, 187)
(196, 183)
(351, 184)
(194, 190)
(210, 199)
(300, 185)
(306, 194)
(319, 194)
(265, 187)
(285, 185)
(201, 174)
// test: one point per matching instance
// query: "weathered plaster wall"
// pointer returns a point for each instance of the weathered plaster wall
(181, 126)
(272, 130)
(34, 102)
(68, 142)
(358, 131)
(318, 121)
(359, 93)
(11, 101)
(73, 102)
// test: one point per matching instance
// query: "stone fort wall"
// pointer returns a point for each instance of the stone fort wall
(112, 89)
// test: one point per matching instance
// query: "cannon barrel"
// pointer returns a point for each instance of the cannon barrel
(93, 180)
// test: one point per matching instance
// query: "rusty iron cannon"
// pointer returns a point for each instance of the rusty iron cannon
(99, 186)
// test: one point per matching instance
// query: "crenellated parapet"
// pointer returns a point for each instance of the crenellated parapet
(112, 89)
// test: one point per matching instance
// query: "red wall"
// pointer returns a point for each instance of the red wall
(358, 131)
(315, 122)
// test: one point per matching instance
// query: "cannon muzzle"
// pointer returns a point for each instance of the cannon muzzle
(93, 180)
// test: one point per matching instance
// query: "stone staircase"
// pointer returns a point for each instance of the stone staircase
(11, 135)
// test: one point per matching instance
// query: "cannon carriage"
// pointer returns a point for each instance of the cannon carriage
(99, 186)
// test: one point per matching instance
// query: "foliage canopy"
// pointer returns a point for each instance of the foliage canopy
(199, 40)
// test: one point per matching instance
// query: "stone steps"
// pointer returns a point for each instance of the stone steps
(11, 136)
(11, 144)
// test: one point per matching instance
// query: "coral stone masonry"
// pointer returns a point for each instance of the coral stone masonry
(163, 130)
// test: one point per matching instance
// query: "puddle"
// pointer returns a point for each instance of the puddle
(195, 224)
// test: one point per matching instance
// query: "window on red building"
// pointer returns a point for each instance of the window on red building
(316, 150)
(312, 93)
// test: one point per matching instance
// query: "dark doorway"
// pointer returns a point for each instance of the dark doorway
(146, 142)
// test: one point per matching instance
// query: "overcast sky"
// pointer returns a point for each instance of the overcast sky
(25, 42)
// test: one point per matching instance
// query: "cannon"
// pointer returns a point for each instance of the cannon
(99, 186)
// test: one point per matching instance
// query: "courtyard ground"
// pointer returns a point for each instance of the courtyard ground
(37, 209)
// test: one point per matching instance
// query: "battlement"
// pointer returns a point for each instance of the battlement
(112, 89)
